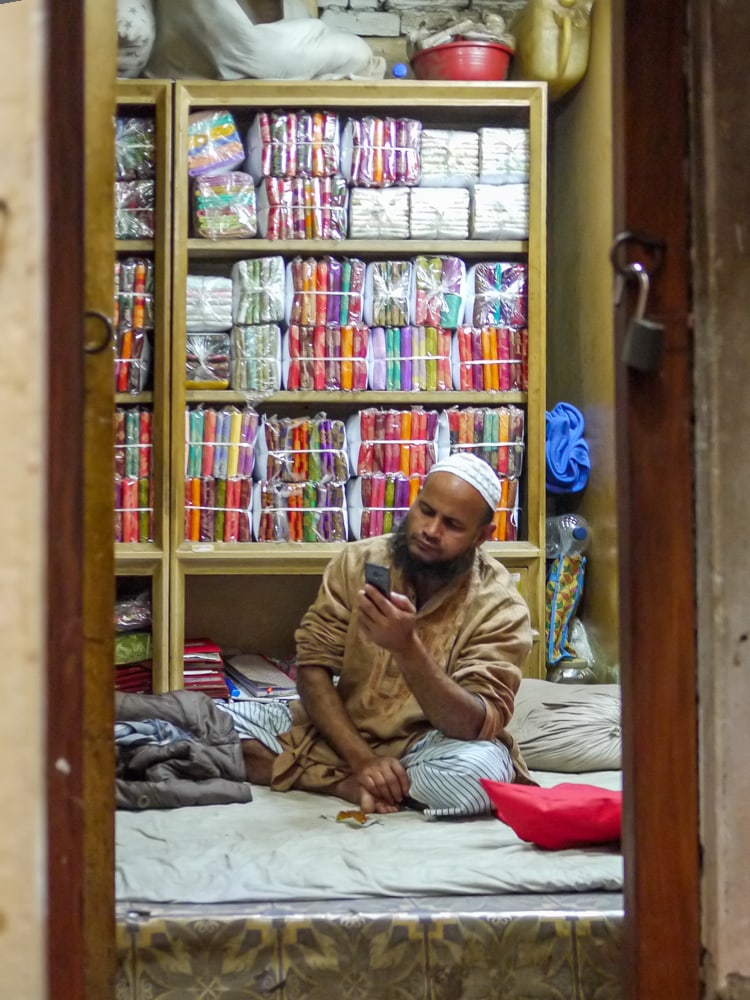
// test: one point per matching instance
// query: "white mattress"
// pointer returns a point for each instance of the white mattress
(288, 846)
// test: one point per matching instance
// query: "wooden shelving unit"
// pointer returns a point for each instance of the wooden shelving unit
(252, 594)
(149, 561)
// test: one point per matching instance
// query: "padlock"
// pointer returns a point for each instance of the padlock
(644, 340)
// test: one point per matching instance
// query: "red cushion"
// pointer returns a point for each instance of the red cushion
(567, 815)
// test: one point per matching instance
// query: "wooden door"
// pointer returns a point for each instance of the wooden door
(81, 67)
(655, 522)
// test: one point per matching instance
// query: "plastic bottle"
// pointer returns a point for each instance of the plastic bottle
(566, 534)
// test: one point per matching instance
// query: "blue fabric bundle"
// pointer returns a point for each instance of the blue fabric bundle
(568, 459)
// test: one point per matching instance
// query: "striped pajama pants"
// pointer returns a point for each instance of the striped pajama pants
(443, 773)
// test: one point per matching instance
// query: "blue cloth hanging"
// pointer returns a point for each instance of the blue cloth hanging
(568, 458)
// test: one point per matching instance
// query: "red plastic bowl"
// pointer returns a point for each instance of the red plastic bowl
(462, 60)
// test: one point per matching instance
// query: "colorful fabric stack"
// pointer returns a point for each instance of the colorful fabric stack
(327, 357)
(220, 456)
(134, 501)
(439, 284)
(492, 359)
(304, 467)
(294, 144)
(382, 501)
(224, 206)
(256, 358)
(410, 358)
(497, 436)
(258, 290)
(301, 512)
(380, 152)
(302, 208)
(394, 441)
(303, 449)
(497, 294)
(387, 289)
(214, 145)
(133, 316)
(326, 291)
(134, 178)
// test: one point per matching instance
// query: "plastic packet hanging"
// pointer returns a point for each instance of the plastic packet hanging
(207, 361)
(214, 145)
(410, 358)
(258, 290)
(319, 358)
(224, 206)
(256, 358)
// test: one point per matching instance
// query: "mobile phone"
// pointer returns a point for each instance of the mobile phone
(379, 577)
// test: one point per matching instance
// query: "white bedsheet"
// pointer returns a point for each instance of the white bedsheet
(286, 846)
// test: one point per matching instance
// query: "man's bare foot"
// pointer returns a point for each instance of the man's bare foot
(351, 790)
(369, 804)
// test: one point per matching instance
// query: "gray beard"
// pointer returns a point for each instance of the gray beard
(415, 568)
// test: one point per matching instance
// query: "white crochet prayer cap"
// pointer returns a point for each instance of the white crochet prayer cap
(473, 470)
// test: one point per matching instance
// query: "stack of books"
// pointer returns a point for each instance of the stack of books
(203, 668)
(256, 676)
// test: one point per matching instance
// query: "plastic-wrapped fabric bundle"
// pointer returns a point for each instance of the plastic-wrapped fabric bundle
(258, 290)
(379, 214)
(449, 158)
(500, 212)
(224, 206)
(208, 304)
(207, 361)
(439, 213)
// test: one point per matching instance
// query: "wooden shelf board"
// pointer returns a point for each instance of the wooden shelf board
(396, 248)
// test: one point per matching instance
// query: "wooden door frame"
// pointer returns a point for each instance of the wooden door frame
(660, 833)
(79, 551)
(656, 521)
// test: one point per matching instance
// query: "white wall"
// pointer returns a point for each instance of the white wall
(22, 459)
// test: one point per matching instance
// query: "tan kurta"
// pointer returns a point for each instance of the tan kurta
(477, 628)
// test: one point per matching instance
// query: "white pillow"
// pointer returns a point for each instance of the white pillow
(136, 31)
(570, 728)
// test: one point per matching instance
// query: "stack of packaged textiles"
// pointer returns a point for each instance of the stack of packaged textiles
(220, 454)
